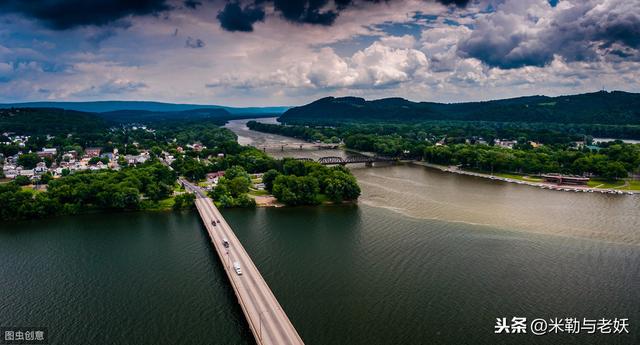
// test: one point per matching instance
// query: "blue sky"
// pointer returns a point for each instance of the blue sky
(251, 53)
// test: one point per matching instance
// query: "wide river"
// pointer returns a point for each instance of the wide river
(424, 258)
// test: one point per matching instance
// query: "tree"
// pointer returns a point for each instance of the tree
(22, 180)
(614, 170)
(340, 186)
(268, 178)
(28, 160)
(46, 177)
(184, 201)
(296, 190)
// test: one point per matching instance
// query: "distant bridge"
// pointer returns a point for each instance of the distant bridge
(333, 160)
(299, 146)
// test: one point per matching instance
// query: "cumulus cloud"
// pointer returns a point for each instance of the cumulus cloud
(377, 66)
(516, 36)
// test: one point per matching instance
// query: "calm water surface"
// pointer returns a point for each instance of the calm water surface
(424, 258)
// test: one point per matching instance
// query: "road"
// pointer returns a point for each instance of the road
(267, 320)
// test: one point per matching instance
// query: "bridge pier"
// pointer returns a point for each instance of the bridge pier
(368, 164)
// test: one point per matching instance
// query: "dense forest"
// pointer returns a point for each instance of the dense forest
(42, 121)
(126, 189)
(611, 108)
(471, 145)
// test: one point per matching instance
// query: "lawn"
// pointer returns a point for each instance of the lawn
(633, 185)
(519, 177)
(604, 183)
(166, 204)
(256, 192)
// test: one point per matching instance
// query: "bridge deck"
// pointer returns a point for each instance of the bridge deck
(267, 321)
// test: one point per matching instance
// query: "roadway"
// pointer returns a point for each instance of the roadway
(266, 318)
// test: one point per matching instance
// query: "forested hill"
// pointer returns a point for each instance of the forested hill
(40, 121)
(615, 107)
(109, 106)
(142, 116)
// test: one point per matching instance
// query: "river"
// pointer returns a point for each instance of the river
(424, 258)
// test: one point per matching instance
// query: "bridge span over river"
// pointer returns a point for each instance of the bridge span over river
(267, 321)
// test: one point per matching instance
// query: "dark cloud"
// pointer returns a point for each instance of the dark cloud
(194, 43)
(589, 31)
(67, 14)
(316, 12)
(192, 4)
(233, 17)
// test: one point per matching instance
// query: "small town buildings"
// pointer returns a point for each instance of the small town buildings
(92, 152)
(40, 168)
(214, 177)
(507, 144)
(47, 152)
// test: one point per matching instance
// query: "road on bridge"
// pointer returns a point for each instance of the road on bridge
(267, 321)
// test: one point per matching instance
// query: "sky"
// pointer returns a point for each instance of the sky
(291, 52)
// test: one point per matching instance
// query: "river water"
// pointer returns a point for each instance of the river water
(424, 258)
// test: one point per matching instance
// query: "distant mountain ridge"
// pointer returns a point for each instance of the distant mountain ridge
(617, 107)
(109, 106)
(54, 121)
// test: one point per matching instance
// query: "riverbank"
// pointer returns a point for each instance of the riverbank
(523, 180)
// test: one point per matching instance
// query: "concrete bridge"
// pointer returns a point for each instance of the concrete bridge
(267, 321)
(368, 161)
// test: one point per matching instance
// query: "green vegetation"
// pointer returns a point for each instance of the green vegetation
(53, 121)
(619, 108)
(612, 162)
(309, 183)
(458, 145)
(232, 189)
(28, 160)
(184, 201)
(85, 191)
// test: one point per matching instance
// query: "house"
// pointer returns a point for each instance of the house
(214, 176)
(69, 155)
(92, 152)
(40, 168)
(27, 172)
(507, 144)
(47, 152)
(535, 144)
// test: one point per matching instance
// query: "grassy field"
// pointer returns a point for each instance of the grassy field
(603, 183)
(256, 192)
(634, 185)
(519, 177)
(162, 205)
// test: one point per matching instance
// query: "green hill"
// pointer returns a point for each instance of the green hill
(39, 121)
(613, 108)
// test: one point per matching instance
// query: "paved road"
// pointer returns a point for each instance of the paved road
(268, 322)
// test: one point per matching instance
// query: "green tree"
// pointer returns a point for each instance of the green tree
(28, 160)
(22, 180)
(184, 201)
(268, 178)
(296, 190)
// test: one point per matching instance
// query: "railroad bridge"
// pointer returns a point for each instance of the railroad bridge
(334, 160)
